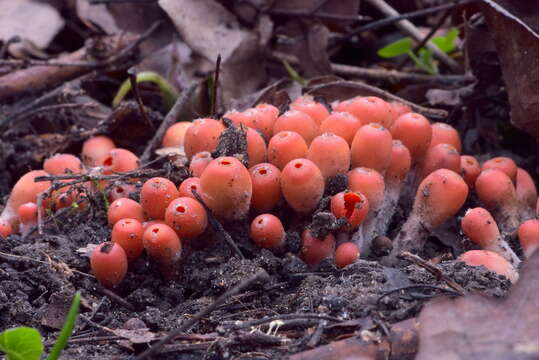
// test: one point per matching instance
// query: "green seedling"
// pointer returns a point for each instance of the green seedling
(424, 58)
(293, 73)
(168, 92)
(24, 343)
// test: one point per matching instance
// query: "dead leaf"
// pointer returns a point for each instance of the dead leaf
(136, 336)
(448, 97)
(32, 20)
(210, 30)
(476, 327)
(56, 311)
(308, 42)
(96, 14)
(515, 26)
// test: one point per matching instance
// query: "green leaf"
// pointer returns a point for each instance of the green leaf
(427, 61)
(21, 343)
(447, 43)
(67, 329)
(396, 48)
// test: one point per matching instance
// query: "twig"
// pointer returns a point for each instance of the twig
(81, 53)
(318, 15)
(418, 287)
(382, 74)
(115, 297)
(407, 27)
(70, 85)
(390, 20)
(373, 90)
(215, 86)
(430, 34)
(414, 259)
(57, 107)
(81, 178)
(262, 275)
(132, 73)
(251, 323)
(7, 256)
(51, 72)
(169, 119)
(218, 228)
(315, 339)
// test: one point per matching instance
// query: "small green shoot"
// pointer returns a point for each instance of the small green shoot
(169, 93)
(424, 60)
(293, 73)
(24, 343)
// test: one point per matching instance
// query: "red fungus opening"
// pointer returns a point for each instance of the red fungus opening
(350, 201)
(108, 161)
(298, 165)
(193, 187)
(155, 231)
(262, 172)
(225, 162)
(180, 209)
(260, 221)
(119, 190)
(107, 247)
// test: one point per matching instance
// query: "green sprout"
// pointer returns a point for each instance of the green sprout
(24, 343)
(293, 73)
(424, 59)
(168, 92)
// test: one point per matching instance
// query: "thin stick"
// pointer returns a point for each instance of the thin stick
(218, 227)
(261, 275)
(70, 85)
(407, 27)
(251, 323)
(382, 74)
(132, 72)
(431, 33)
(86, 64)
(433, 113)
(7, 256)
(390, 20)
(215, 86)
(414, 259)
(169, 119)
(117, 298)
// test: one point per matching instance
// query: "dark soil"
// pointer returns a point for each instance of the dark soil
(39, 277)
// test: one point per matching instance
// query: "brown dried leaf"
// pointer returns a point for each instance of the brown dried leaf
(136, 336)
(515, 26)
(210, 30)
(96, 14)
(56, 311)
(476, 327)
(32, 20)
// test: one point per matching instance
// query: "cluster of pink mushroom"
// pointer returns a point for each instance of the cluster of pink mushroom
(390, 157)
